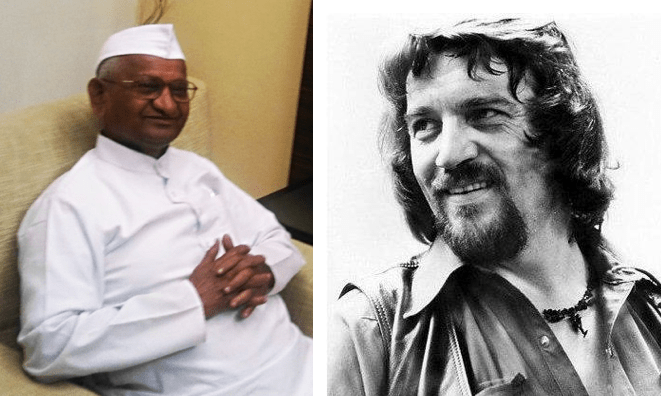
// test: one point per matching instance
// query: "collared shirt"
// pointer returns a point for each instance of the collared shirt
(506, 344)
(105, 254)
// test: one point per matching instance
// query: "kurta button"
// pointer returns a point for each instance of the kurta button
(545, 341)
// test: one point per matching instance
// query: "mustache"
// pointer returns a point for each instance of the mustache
(466, 174)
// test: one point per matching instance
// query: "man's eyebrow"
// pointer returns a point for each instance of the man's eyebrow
(487, 101)
(499, 101)
(418, 112)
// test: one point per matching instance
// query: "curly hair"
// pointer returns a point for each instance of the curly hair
(564, 118)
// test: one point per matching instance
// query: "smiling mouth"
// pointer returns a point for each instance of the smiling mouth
(467, 189)
(162, 121)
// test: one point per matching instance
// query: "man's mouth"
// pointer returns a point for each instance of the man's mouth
(162, 120)
(467, 188)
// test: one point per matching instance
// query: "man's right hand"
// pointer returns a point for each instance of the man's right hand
(249, 278)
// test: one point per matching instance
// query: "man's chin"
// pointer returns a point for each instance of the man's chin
(482, 235)
(161, 135)
(470, 216)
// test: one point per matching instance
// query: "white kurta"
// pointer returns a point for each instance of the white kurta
(104, 258)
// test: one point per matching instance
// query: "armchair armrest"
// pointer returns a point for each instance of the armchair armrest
(298, 292)
(16, 382)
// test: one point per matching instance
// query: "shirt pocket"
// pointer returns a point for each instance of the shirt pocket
(504, 386)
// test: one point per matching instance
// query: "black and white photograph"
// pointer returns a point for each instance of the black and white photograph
(493, 205)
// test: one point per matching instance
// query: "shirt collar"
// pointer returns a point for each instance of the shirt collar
(123, 157)
(433, 271)
(617, 282)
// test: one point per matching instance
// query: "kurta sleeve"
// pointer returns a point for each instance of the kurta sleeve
(258, 228)
(66, 329)
(356, 357)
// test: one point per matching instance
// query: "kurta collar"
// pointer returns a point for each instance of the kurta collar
(131, 160)
(430, 277)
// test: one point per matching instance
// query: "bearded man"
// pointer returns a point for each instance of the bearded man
(498, 154)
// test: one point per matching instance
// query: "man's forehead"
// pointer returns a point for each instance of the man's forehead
(448, 74)
(150, 64)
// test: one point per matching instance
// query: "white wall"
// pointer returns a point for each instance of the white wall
(621, 57)
(48, 48)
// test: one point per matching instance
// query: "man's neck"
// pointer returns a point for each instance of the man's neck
(551, 271)
(155, 152)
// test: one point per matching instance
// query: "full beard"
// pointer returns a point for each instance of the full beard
(477, 242)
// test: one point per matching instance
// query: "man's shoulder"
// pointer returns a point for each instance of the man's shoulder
(73, 183)
(72, 188)
(388, 281)
(645, 281)
(376, 296)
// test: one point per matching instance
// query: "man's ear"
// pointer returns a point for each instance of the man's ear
(96, 91)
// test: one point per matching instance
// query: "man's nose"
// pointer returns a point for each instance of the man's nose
(166, 103)
(455, 145)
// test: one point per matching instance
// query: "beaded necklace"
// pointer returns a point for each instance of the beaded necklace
(556, 315)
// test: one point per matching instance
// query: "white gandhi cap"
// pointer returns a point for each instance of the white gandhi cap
(156, 40)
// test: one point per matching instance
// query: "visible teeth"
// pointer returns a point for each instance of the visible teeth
(468, 188)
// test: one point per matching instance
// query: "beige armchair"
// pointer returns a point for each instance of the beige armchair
(38, 145)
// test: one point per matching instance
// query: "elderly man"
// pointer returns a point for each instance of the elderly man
(498, 154)
(143, 269)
